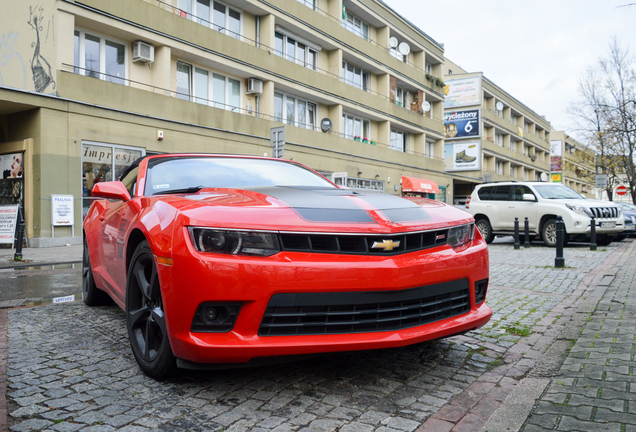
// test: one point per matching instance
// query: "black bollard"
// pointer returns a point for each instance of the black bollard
(526, 227)
(592, 233)
(559, 261)
(19, 236)
(517, 245)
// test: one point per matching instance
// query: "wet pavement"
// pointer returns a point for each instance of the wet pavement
(21, 286)
(69, 367)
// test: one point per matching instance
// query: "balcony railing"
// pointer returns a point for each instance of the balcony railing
(228, 107)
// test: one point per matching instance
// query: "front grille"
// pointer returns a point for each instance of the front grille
(362, 312)
(604, 212)
(363, 244)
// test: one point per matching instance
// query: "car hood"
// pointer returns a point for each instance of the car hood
(584, 202)
(312, 209)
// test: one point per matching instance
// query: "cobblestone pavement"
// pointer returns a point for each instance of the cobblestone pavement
(69, 367)
(595, 386)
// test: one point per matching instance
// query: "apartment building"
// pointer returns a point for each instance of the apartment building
(88, 86)
(490, 135)
(572, 164)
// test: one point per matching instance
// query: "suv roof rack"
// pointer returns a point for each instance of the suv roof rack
(500, 181)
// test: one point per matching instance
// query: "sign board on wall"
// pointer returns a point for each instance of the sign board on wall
(463, 156)
(62, 210)
(462, 124)
(462, 92)
(556, 153)
(11, 165)
(8, 220)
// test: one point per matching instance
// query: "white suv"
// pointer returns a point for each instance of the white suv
(495, 206)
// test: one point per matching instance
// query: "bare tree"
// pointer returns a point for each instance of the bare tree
(605, 114)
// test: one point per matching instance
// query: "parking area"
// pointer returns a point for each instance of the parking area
(70, 367)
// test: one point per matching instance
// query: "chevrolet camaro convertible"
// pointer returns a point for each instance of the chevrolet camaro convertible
(221, 260)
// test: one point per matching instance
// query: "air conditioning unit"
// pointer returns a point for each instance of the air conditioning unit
(254, 86)
(143, 52)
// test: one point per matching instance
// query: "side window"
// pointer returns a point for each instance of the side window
(130, 181)
(517, 193)
(501, 193)
(485, 193)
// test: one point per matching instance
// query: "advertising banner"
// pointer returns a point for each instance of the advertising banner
(462, 124)
(462, 92)
(556, 152)
(463, 156)
(62, 210)
(8, 220)
(11, 165)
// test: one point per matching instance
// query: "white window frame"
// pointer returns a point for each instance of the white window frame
(499, 139)
(401, 96)
(397, 136)
(513, 171)
(209, 100)
(295, 122)
(309, 3)
(352, 23)
(428, 68)
(430, 149)
(499, 167)
(398, 55)
(365, 77)
(193, 14)
(102, 55)
(309, 48)
(365, 125)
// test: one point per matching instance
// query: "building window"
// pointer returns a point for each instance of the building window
(513, 145)
(430, 149)
(289, 47)
(355, 76)
(213, 14)
(356, 25)
(450, 71)
(513, 171)
(513, 118)
(499, 167)
(428, 68)
(398, 55)
(100, 57)
(294, 111)
(399, 140)
(499, 139)
(401, 96)
(208, 88)
(356, 128)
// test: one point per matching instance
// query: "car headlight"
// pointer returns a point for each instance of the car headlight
(579, 209)
(234, 242)
(460, 235)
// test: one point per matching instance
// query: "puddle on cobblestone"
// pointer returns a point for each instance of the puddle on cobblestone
(62, 266)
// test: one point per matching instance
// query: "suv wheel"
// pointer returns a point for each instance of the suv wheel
(485, 230)
(549, 234)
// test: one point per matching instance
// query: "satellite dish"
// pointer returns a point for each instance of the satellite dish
(499, 106)
(325, 124)
(393, 42)
(544, 177)
(426, 106)
(404, 48)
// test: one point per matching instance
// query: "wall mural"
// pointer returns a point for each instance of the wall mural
(10, 61)
(41, 69)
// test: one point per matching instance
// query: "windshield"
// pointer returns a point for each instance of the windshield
(189, 174)
(556, 191)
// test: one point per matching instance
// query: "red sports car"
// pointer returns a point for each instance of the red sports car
(233, 259)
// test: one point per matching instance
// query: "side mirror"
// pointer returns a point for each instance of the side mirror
(114, 190)
(529, 197)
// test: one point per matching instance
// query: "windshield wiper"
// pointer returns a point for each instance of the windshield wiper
(192, 189)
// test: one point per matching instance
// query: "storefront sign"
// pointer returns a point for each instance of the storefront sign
(463, 156)
(462, 92)
(8, 221)
(462, 124)
(62, 210)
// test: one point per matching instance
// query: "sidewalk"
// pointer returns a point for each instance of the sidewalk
(41, 256)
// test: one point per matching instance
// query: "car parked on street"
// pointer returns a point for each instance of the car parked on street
(496, 205)
(222, 259)
(629, 213)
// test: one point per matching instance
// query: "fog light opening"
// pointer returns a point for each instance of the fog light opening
(480, 290)
(211, 314)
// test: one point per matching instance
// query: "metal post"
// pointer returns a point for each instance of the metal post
(517, 245)
(593, 233)
(559, 261)
(19, 236)
(526, 227)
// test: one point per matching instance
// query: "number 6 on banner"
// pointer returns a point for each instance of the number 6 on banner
(468, 127)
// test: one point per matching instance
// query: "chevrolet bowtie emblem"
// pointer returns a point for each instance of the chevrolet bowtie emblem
(387, 245)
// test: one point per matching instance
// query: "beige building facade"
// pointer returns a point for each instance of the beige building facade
(572, 164)
(88, 87)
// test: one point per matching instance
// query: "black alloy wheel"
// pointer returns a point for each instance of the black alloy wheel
(91, 295)
(145, 319)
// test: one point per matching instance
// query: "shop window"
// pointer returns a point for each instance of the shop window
(295, 111)
(99, 57)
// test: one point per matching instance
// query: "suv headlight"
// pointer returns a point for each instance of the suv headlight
(460, 235)
(579, 209)
(234, 242)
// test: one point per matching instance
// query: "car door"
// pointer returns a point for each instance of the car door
(498, 202)
(518, 208)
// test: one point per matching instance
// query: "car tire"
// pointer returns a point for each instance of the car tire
(485, 230)
(91, 295)
(548, 233)
(145, 319)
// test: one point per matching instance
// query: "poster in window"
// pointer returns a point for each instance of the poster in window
(11, 165)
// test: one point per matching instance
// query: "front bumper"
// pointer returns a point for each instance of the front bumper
(577, 224)
(196, 278)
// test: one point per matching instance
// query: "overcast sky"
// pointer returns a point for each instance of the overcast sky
(534, 50)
